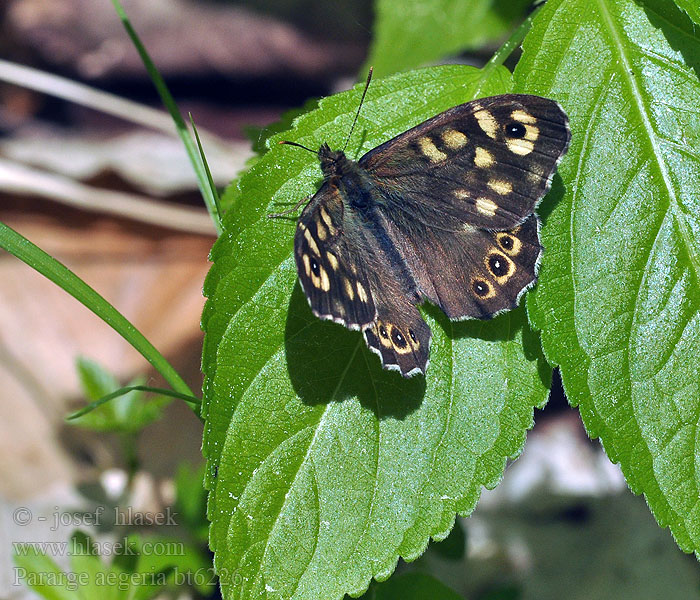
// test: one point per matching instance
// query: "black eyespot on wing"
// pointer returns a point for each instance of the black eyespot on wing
(515, 130)
(498, 265)
(481, 288)
(506, 242)
(398, 338)
(315, 268)
(383, 332)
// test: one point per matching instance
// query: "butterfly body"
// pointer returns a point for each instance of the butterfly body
(443, 212)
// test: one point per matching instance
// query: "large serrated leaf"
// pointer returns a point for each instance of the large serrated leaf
(618, 298)
(322, 467)
(417, 32)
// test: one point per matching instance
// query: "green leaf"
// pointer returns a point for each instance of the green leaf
(414, 33)
(206, 188)
(191, 501)
(618, 300)
(412, 586)
(322, 467)
(691, 7)
(114, 409)
(166, 562)
(213, 192)
(40, 573)
(193, 401)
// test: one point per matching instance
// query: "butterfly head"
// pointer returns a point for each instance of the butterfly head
(333, 162)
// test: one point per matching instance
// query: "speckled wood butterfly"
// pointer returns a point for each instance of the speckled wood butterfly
(443, 212)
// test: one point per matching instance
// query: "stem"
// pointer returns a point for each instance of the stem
(501, 55)
(516, 38)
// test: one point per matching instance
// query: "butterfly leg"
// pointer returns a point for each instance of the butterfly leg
(289, 211)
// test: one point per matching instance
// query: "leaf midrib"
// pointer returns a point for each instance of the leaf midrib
(641, 107)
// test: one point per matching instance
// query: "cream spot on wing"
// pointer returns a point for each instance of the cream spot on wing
(520, 147)
(320, 230)
(486, 207)
(361, 293)
(531, 133)
(328, 221)
(430, 150)
(339, 308)
(312, 243)
(522, 116)
(462, 194)
(454, 139)
(500, 187)
(307, 264)
(483, 158)
(348, 288)
(333, 260)
(325, 281)
(487, 122)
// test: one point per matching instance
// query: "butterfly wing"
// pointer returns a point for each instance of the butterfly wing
(399, 336)
(331, 267)
(472, 273)
(486, 163)
(350, 275)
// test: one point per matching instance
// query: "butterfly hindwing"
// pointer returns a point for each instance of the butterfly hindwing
(400, 336)
(486, 163)
(331, 269)
(475, 273)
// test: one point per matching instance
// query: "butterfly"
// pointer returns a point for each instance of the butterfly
(443, 212)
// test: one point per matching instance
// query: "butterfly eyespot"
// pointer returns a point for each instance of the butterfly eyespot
(481, 288)
(383, 332)
(413, 335)
(498, 265)
(315, 267)
(510, 244)
(516, 130)
(506, 242)
(398, 338)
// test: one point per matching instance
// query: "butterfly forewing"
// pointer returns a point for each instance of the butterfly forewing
(486, 163)
(331, 268)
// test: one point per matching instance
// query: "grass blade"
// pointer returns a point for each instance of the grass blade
(180, 126)
(52, 269)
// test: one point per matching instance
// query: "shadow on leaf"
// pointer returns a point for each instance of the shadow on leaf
(329, 363)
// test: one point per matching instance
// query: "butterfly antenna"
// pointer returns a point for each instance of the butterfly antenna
(297, 145)
(357, 114)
